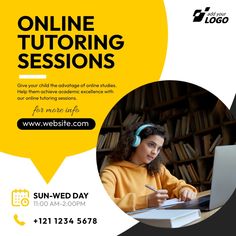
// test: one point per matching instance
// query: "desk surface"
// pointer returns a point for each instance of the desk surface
(204, 215)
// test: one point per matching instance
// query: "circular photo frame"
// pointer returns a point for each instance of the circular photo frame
(165, 152)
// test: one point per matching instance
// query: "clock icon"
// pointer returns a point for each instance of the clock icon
(24, 201)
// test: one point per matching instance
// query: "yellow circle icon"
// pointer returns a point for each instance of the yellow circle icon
(25, 202)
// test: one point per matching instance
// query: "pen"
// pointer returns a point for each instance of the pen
(150, 187)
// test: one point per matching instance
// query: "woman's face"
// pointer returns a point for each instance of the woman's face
(147, 150)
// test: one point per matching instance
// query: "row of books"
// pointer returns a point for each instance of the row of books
(179, 152)
(210, 143)
(165, 91)
(163, 115)
(188, 173)
(199, 120)
(184, 151)
(191, 174)
(187, 170)
(108, 140)
(139, 100)
(153, 95)
(183, 126)
(133, 118)
(111, 118)
(203, 119)
(162, 92)
(136, 100)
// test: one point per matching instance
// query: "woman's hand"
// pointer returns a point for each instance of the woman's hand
(157, 198)
(187, 194)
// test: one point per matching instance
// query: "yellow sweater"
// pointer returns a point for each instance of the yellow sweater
(124, 182)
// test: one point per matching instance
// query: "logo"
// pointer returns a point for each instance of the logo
(20, 197)
(210, 17)
(198, 14)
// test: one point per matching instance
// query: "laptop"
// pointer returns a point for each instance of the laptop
(223, 181)
(233, 107)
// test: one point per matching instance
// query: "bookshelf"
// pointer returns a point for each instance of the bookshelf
(195, 121)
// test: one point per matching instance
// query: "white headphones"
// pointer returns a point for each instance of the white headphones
(137, 138)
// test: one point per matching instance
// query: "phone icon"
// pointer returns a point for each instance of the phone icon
(18, 221)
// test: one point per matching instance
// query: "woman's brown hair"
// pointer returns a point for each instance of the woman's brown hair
(124, 148)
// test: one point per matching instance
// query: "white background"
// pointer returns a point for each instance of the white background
(203, 54)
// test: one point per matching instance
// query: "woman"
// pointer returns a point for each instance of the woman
(134, 164)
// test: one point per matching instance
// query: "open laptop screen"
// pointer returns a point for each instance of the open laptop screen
(224, 175)
(223, 181)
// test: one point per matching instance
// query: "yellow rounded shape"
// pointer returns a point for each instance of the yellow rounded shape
(143, 27)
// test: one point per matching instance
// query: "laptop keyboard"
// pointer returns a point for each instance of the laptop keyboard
(201, 203)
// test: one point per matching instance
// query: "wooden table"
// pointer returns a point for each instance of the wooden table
(206, 214)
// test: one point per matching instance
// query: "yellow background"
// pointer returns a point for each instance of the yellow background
(143, 26)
